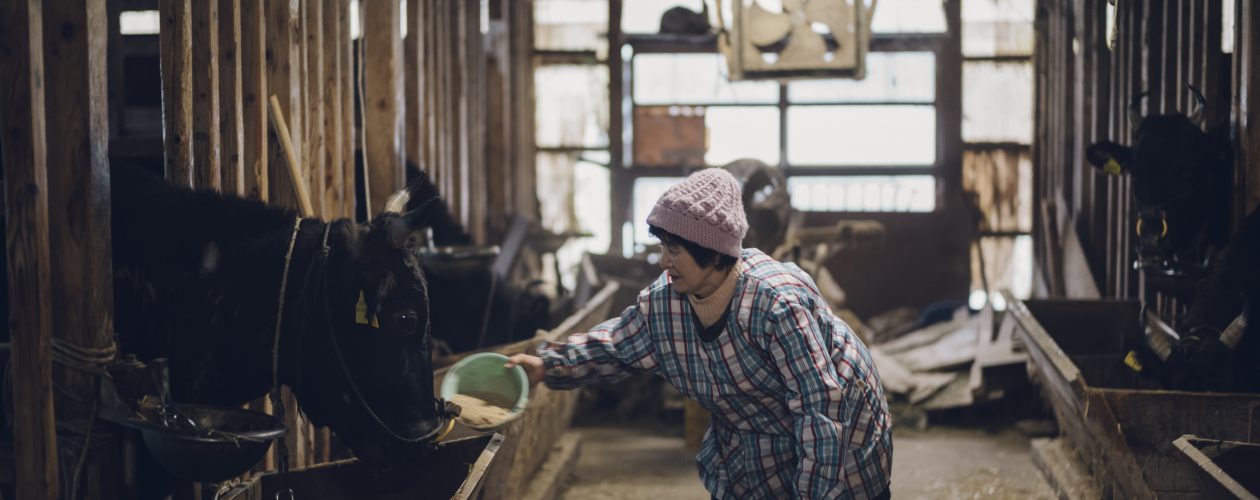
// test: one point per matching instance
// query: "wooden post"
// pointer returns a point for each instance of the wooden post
(315, 167)
(254, 103)
(335, 136)
(383, 105)
(414, 78)
(475, 62)
(455, 61)
(432, 83)
(27, 241)
(1247, 57)
(523, 71)
(498, 120)
(284, 35)
(78, 191)
(177, 89)
(232, 125)
(621, 204)
(349, 136)
(207, 143)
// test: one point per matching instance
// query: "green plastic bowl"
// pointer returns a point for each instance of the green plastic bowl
(484, 373)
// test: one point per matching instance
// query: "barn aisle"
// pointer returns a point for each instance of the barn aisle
(648, 461)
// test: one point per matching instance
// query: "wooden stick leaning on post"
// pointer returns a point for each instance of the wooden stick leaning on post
(286, 145)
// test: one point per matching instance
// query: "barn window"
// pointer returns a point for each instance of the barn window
(139, 22)
(997, 130)
(908, 16)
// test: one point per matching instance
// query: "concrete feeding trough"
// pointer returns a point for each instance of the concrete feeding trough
(1121, 426)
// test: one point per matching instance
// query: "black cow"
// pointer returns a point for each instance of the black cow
(475, 307)
(197, 280)
(197, 277)
(1200, 360)
(1182, 179)
(1181, 184)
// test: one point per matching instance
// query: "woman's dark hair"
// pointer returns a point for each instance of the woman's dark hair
(705, 257)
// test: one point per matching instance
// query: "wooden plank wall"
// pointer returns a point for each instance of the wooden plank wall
(25, 162)
(221, 60)
(1084, 90)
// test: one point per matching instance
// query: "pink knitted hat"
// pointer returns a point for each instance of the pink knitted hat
(705, 209)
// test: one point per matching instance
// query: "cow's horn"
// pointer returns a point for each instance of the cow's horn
(1200, 103)
(1135, 111)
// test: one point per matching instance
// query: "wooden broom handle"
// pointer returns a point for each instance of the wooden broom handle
(286, 145)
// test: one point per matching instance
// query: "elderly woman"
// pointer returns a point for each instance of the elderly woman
(797, 406)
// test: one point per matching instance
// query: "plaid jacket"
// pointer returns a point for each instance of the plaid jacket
(797, 407)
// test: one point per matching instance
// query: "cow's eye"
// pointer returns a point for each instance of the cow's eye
(407, 322)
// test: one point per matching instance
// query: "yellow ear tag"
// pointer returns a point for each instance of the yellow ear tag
(1112, 167)
(361, 311)
(1131, 360)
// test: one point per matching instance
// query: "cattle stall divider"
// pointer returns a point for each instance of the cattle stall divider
(217, 62)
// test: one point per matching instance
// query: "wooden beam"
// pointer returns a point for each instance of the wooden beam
(335, 136)
(317, 124)
(27, 241)
(383, 107)
(284, 36)
(1247, 55)
(413, 78)
(78, 191)
(177, 88)
(347, 111)
(498, 120)
(523, 68)
(207, 143)
(254, 103)
(232, 125)
(473, 126)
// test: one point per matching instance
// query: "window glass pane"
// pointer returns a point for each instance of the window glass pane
(139, 22)
(997, 102)
(997, 27)
(1227, 26)
(865, 193)
(571, 106)
(646, 191)
(571, 25)
(861, 135)
(742, 132)
(1001, 178)
(908, 16)
(590, 193)
(1009, 264)
(644, 16)
(694, 79)
(890, 77)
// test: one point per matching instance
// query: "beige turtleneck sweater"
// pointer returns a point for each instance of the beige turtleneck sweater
(710, 308)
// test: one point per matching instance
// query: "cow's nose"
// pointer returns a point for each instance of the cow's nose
(1152, 225)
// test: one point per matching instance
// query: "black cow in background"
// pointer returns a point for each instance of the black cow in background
(1182, 180)
(473, 308)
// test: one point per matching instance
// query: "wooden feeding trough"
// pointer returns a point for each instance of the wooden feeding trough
(462, 468)
(1121, 426)
(1227, 469)
(529, 439)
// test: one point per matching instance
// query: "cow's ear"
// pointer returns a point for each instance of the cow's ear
(1111, 158)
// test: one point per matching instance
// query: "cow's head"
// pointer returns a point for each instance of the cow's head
(367, 371)
(1181, 177)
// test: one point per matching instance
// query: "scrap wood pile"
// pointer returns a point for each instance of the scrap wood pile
(939, 361)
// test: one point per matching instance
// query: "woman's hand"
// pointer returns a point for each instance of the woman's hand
(533, 365)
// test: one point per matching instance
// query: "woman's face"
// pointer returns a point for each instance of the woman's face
(684, 273)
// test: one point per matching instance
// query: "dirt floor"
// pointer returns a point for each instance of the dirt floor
(649, 462)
